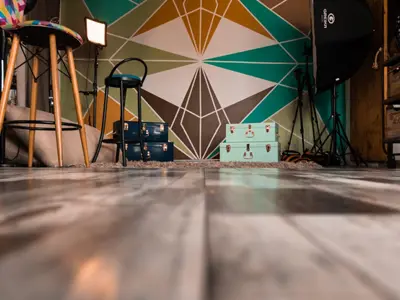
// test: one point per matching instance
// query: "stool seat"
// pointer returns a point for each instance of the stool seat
(129, 81)
(36, 33)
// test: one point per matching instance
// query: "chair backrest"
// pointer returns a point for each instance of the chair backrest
(11, 12)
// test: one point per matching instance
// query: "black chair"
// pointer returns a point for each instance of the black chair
(123, 82)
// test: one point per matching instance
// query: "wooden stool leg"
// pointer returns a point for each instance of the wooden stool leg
(78, 105)
(56, 96)
(8, 79)
(35, 72)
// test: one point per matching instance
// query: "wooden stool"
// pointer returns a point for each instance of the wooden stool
(42, 35)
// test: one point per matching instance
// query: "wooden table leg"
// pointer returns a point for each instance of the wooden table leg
(78, 105)
(8, 79)
(35, 72)
(56, 96)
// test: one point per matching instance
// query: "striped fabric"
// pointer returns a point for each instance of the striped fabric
(47, 24)
(11, 12)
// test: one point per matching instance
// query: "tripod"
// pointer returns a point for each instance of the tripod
(338, 133)
(301, 82)
(95, 89)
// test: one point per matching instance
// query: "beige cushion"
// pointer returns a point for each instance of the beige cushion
(16, 152)
(45, 141)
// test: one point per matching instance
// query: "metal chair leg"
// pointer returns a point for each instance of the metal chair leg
(122, 123)
(103, 127)
(144, 158)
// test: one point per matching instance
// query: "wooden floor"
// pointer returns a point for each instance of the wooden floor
(199, 234)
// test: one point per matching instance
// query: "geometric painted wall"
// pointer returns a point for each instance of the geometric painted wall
(211, 62)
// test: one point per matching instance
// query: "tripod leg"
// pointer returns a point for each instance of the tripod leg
(302, 124)
(323, 143)
(357, 157)
(319, 139)
(343, 149)
(293, 127)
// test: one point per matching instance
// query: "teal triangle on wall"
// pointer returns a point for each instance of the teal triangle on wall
(103, 11)
(275, 101)
(278, 27)
(270, 72)
(297, 49)
(273, 53)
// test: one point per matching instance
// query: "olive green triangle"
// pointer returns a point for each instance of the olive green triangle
(130, 23)
(86, 68)
(136, 68)
(146, 52)
(67, 97)
(87, 51)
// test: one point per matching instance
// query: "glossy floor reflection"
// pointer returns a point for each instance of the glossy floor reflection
(199, 234)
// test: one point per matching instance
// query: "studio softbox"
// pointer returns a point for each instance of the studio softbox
(342, 33)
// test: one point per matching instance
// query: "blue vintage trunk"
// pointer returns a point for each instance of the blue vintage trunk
(154, 151)
(151, 131)
(250, 152)
(250, 133)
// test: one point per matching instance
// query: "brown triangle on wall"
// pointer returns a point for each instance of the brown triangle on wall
(208, 106)
(238, 111)
(193, 95)
(296, 12)
(179, 155)
(219, 136)
(163, 108)
(179, 131)
(189, 92)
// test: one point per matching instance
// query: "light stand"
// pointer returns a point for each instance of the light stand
(338, 133)
(95, 87)
(305, 80)
(96, 33)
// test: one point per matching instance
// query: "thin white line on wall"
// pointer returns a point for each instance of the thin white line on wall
(191, 155)
(184, 112)
(200, 31)
(118, 36)
(216, 112)
(281, 17)
(294, 40)
(190, 12)
(133, 34)
(278, 111)
(135, 2)
(87, 7)
(269, 93)
(190, 26)
(209, 11)
(209, 114)
(209, 28)
(252, 62)
(279, 4)
(147, 60)
(288, 130)
(117, 20)
(189, 95)
(200, 111)
(287, 86)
